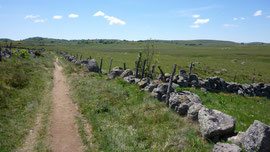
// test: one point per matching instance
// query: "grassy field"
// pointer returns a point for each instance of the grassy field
(244, 61)
(23, 83)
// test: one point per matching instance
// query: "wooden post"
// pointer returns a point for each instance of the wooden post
(153, 71)
(170, 85)
(81, 57)
(161, 72)
(190, 68)
(143, 68)
(137, 69)
(253, 79)
(10, 45)
(110, 66)
(234, 78)
(0, 54)
(100, 69)
(124, 66)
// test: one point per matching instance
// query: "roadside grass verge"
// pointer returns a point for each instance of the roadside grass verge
(126, 119)
(22, 85)
(42, 139)
(244, 109)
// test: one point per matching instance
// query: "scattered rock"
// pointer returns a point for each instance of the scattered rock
(257, 137)
(224, 147)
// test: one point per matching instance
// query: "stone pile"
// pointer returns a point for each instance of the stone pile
(7, 53)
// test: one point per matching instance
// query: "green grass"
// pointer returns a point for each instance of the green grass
(42, 139)
(212, 58)
(126, 119)
(244, 109)
(22, 84)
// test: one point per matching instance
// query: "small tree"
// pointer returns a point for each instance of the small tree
(148, 54)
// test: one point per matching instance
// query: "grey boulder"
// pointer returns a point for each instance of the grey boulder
(181, 101)
(224, 147)
(215, 124)
(116, 71)
(130, 79)
(194, 110)
(92, 66)
(126, 73)
(257, 137)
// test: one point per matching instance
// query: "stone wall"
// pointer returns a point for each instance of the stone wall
(214, 124)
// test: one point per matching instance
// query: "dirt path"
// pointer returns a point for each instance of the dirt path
(63, 131)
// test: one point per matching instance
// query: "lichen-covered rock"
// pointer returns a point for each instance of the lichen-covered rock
(92, 66)
(181, 101)
(257, 137)
(116, 71)
(182, 109)
(237, 139)
(160, 91)
(194, 110)
(143, 83)
(224, 147)
(214, 123)
(130, 79)
(183, 97)
(151, 86)
(126, 73)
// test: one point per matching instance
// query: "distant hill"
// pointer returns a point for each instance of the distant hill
(50, 41)
(5, 40)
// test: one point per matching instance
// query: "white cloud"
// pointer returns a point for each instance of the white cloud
(235, 19)
(230, 25)
(194, 26)
(73, 15)
(112, 20)
(99, 13)
(201, 21)
(39, 21)
(31, 16)
(268, 16)
(242, 18)
(196, 16)
(258, 13)
(57, 17)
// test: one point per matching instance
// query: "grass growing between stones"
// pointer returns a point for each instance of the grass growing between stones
(244, 109)
(126, 119)
(23, 82)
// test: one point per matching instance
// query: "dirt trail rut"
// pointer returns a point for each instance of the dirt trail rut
(63, 130)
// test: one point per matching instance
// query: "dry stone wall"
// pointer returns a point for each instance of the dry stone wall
(214, 124)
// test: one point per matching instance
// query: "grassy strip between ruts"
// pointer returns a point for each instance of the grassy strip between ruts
(126, 119)
(23, 82)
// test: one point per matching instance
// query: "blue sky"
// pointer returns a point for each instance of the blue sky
(235, 20)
